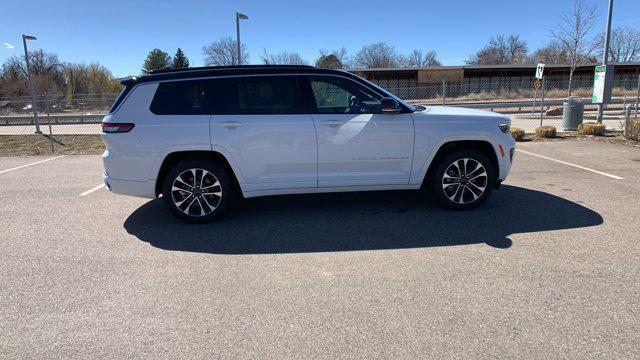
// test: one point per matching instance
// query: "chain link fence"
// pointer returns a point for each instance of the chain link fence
(78, 114)
(519, 97)
(516, 96)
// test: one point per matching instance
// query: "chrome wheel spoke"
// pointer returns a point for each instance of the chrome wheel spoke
(216, 183)
(480, 188)
(202, 213)
(483, 174)
(475, 196)
(179, 181)
(211, 208)
(179, 203)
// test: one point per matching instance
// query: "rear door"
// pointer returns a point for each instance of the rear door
(357, 144)
(260, 120)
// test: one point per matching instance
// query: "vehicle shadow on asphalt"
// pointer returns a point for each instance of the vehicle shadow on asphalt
(359, 221)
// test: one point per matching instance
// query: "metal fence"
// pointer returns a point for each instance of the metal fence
(516, 96)
(500, 89)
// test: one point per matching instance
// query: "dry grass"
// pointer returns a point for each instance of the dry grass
(18, 145)
(529, 94)
(633, 130)
(591, 128)
(517, 134)
(554, 111)
(546, 131)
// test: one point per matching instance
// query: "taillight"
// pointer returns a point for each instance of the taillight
(110, 128)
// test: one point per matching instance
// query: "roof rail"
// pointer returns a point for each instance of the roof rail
(204, 68)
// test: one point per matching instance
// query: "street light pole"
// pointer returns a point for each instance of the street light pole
(239, 48)
(605, 55)
(33, 93)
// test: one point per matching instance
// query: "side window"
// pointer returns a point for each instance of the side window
(181, 98)
(267, 95)
(335, 95)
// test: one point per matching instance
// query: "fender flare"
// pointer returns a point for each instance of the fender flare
(422, 172)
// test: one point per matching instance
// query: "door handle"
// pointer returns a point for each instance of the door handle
(230, 124)
(332, 123)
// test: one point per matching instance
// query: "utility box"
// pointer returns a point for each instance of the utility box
(572, 112)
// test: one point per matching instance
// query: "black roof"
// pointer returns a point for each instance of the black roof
(210, 71)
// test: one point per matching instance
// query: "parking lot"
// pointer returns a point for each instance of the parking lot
(549, 267)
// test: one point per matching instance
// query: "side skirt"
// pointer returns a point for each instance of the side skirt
(257, 193)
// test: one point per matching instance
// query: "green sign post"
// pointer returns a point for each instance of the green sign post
(602, 84)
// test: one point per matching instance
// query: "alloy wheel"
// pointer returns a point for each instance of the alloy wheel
(464, 181)
(196, 192)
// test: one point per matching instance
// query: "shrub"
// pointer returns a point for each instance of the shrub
(591, 128)
(546, 131)
(517, 133)
(633, 130)
(554, 112)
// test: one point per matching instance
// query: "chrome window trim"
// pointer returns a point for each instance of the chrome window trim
(372, 89)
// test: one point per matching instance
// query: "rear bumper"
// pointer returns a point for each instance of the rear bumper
(145, 189)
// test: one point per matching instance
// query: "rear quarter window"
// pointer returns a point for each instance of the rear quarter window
(123, 94)
(189, 97)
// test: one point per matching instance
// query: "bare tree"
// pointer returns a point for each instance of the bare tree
(378, 55)
(421, 59)
(501, 49)
(224, 52)
(624, 45)
(572, 33)
(282, 58)
(51, 76)
(46, 72)
(76, 77)
(552, 53)
(13, 79)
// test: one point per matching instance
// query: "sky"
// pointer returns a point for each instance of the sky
(119, 34)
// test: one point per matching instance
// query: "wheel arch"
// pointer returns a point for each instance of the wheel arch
(485, 147)
(174, 158)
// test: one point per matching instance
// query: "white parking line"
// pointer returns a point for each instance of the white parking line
(92, 190)
(570, 164)
(33, 163)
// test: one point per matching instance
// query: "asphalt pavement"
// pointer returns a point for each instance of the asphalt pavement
(549, 267)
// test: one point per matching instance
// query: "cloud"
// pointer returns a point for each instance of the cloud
(9, 46)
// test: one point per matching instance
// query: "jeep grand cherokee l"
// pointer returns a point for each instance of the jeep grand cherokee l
(202, 137)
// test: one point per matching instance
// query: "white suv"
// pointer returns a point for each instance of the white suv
(203, 137)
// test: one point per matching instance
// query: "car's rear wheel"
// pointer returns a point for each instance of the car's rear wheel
(463, 179)
(197, 191)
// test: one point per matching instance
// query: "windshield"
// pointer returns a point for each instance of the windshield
(384, 91)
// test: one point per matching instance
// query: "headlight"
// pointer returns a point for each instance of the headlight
(504, 127)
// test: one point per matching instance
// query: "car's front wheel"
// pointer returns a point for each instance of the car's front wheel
(197, 191)
(463, 179)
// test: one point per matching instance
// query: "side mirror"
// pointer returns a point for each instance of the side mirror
(390, 106)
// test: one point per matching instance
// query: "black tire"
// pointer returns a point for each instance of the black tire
(202, 202)
(464, 189)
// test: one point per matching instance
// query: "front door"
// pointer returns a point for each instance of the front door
(357, 144)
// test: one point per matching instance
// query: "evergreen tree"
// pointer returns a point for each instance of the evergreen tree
(180, 60)
(156, 60)
(330, 61)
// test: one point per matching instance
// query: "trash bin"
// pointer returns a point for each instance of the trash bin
(572, 111)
